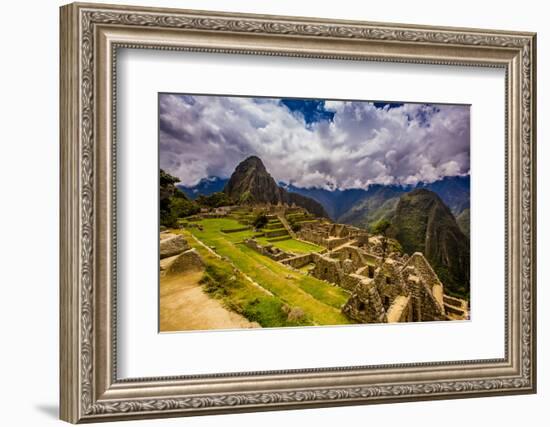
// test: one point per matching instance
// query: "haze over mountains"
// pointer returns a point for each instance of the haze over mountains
(364, 207)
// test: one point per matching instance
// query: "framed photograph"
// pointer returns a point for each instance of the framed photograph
(266, 212)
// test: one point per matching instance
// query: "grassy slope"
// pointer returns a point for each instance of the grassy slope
(292, 245)
(213, 226)
(320, 301)
(221, 281)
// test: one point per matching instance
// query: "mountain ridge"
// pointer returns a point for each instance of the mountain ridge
(423, 223)
(454, 191)
(251, 183)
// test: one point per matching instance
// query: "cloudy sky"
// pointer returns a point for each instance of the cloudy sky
(314, 143)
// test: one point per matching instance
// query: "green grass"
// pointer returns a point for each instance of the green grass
(306, 268)
(276, 232)
(231, 287)
(271, 225)
(235, 230)
(320, 301)
(277, 239)
(292, 245)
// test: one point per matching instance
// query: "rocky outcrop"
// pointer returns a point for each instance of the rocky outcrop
(268, 250)
(463, 221)
(251, 183)
(308, 204)
(187, 261)
(172, 244)
(423, 223)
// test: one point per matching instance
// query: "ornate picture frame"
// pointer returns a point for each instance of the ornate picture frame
(90, 37)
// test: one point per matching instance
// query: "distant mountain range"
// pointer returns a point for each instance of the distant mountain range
(357, 206)
(206, 187)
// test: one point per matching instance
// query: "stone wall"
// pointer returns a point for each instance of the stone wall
(313, 236)
(427, 275)
(357, 256)
(187, 261)
(350, 281)
(362, 240)
(389, 283)
(339, 230)
(365, 305)
(456, 302)
(331, 236)
(397, 289)
(397, 293)
(424, 305)
(332, 243)
(400, 310)
(298, 261)
(268, 250)
(327, 269)
(456, 308)
(171, 244)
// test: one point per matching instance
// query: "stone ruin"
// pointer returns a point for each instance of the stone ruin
(330, 235)
(385, 286)
(390, 288)
(268, 250)
(176, 256)
(409, 292)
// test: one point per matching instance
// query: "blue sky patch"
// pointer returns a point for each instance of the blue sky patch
(312, 110)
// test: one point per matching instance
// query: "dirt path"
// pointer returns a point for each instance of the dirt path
(184, 306)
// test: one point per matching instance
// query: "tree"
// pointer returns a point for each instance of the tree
(295, 227)
(182, 207)
(260, 221)
(381, 227)
(166, 179)
(173, 202)
(214, 200)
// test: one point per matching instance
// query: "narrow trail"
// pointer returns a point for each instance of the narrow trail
(185, 307)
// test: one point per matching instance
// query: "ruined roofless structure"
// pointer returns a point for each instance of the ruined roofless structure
(392, 288)
(384, 287)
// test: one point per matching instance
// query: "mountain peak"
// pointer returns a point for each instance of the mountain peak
(252, 162)
(251, 183)
(422, 192)
(423, 223)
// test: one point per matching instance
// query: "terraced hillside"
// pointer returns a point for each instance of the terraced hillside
(316, 302)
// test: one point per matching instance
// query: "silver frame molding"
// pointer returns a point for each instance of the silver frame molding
(90, 37)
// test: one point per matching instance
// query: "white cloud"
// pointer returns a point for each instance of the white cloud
(208, 136)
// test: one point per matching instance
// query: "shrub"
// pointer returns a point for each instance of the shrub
(260, 221)
(381, 227)
(173, 202)
(214, 200)
(182, 207)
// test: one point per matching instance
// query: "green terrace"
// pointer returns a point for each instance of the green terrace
(320, 301)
